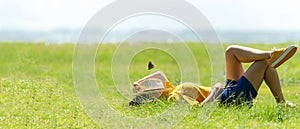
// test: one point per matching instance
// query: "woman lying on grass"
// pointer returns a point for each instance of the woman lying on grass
(241, 87)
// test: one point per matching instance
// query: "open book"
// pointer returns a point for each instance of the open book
(151, 87)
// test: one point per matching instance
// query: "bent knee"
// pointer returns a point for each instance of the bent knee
(230, 49)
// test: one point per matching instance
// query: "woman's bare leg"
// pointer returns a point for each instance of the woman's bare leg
(236, 55)
(260, 70)
(256, 73)
(272, 80)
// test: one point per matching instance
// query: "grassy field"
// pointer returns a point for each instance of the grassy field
(37, 91)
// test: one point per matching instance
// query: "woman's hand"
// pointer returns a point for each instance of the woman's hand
(215, 94)
(136, 87)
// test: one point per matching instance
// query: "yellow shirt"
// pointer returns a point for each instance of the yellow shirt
(189, 92)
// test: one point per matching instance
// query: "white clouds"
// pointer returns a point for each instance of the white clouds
(229, 14)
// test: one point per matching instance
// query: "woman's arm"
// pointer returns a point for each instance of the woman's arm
(158, 75)
(215, 94)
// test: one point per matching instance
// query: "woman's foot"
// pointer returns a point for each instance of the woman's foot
(287, 104)
(279, 56)
(290, 104)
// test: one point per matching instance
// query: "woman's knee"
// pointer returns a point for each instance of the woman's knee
(230, 49)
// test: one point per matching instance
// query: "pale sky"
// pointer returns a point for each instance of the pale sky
(223, 14)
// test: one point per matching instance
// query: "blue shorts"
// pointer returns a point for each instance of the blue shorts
(238, 92)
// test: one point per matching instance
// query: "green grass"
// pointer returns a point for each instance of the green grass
(37, 90)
